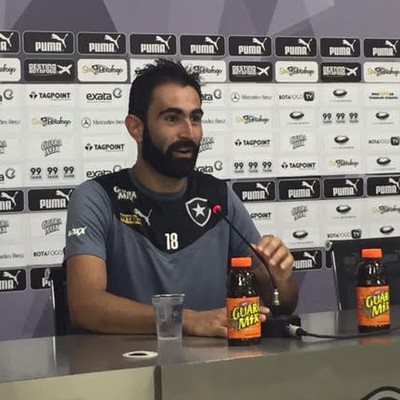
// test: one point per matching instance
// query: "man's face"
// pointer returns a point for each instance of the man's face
(173, 130)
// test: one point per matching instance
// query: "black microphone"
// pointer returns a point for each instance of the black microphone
(278, 324)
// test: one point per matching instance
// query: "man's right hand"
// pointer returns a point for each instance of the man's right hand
(205, 323)
(211, 323)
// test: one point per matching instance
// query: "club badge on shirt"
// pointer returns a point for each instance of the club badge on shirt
(198, 210)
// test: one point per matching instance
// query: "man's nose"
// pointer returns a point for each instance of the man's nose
(187, 128)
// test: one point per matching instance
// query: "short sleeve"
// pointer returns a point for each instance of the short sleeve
(88, 221)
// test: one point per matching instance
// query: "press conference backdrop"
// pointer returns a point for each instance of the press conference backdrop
(302, 117)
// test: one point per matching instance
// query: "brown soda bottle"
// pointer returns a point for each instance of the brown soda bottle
(242, 304)
(373, 305)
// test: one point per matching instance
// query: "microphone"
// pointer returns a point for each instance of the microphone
(217, 210)
(277, 325)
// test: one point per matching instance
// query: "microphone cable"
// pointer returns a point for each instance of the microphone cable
(298, 332)
(216, 209)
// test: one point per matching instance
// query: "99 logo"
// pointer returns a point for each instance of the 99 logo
(52, 172)
(36, 173)
(339, 117)
(238, 167)
(252, 166)
(266, 166)
(69, 172)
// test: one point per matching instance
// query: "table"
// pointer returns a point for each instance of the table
(91, 367)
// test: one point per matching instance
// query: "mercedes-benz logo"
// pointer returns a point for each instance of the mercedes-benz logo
(86, 122)
(235, 97)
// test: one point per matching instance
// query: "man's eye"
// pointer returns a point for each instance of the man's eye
(197, 117)
(171, 117)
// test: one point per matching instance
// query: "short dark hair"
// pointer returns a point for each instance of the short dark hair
(153, 75)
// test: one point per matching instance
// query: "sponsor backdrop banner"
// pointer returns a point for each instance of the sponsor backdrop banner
(301, 118)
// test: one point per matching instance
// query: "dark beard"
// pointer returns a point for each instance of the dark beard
(165, 163)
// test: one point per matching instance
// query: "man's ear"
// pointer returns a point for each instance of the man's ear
(135, 127)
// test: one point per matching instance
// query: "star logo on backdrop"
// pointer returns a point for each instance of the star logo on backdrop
(198, 210)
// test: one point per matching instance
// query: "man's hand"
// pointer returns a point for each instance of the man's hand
(276, 255)
(280, 262)
(211, 323)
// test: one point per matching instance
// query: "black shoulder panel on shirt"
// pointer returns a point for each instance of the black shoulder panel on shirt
(171, 224)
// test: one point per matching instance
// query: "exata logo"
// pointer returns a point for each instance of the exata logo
(93, 173)
(103, 97)
(209, 169)
(9, 173)
(211, 96)
(8, 94)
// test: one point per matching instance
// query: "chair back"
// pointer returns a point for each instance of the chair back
(345, 255)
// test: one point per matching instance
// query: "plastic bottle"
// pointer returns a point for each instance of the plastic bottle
(242, 304)
(373, 306)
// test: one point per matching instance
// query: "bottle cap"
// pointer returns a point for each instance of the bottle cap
(241, 262)
(371, 253)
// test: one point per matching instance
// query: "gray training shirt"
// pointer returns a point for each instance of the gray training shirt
(156, 243)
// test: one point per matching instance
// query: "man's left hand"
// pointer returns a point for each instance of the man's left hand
(276, 255)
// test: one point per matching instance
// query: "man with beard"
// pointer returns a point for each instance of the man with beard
(149, 229)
